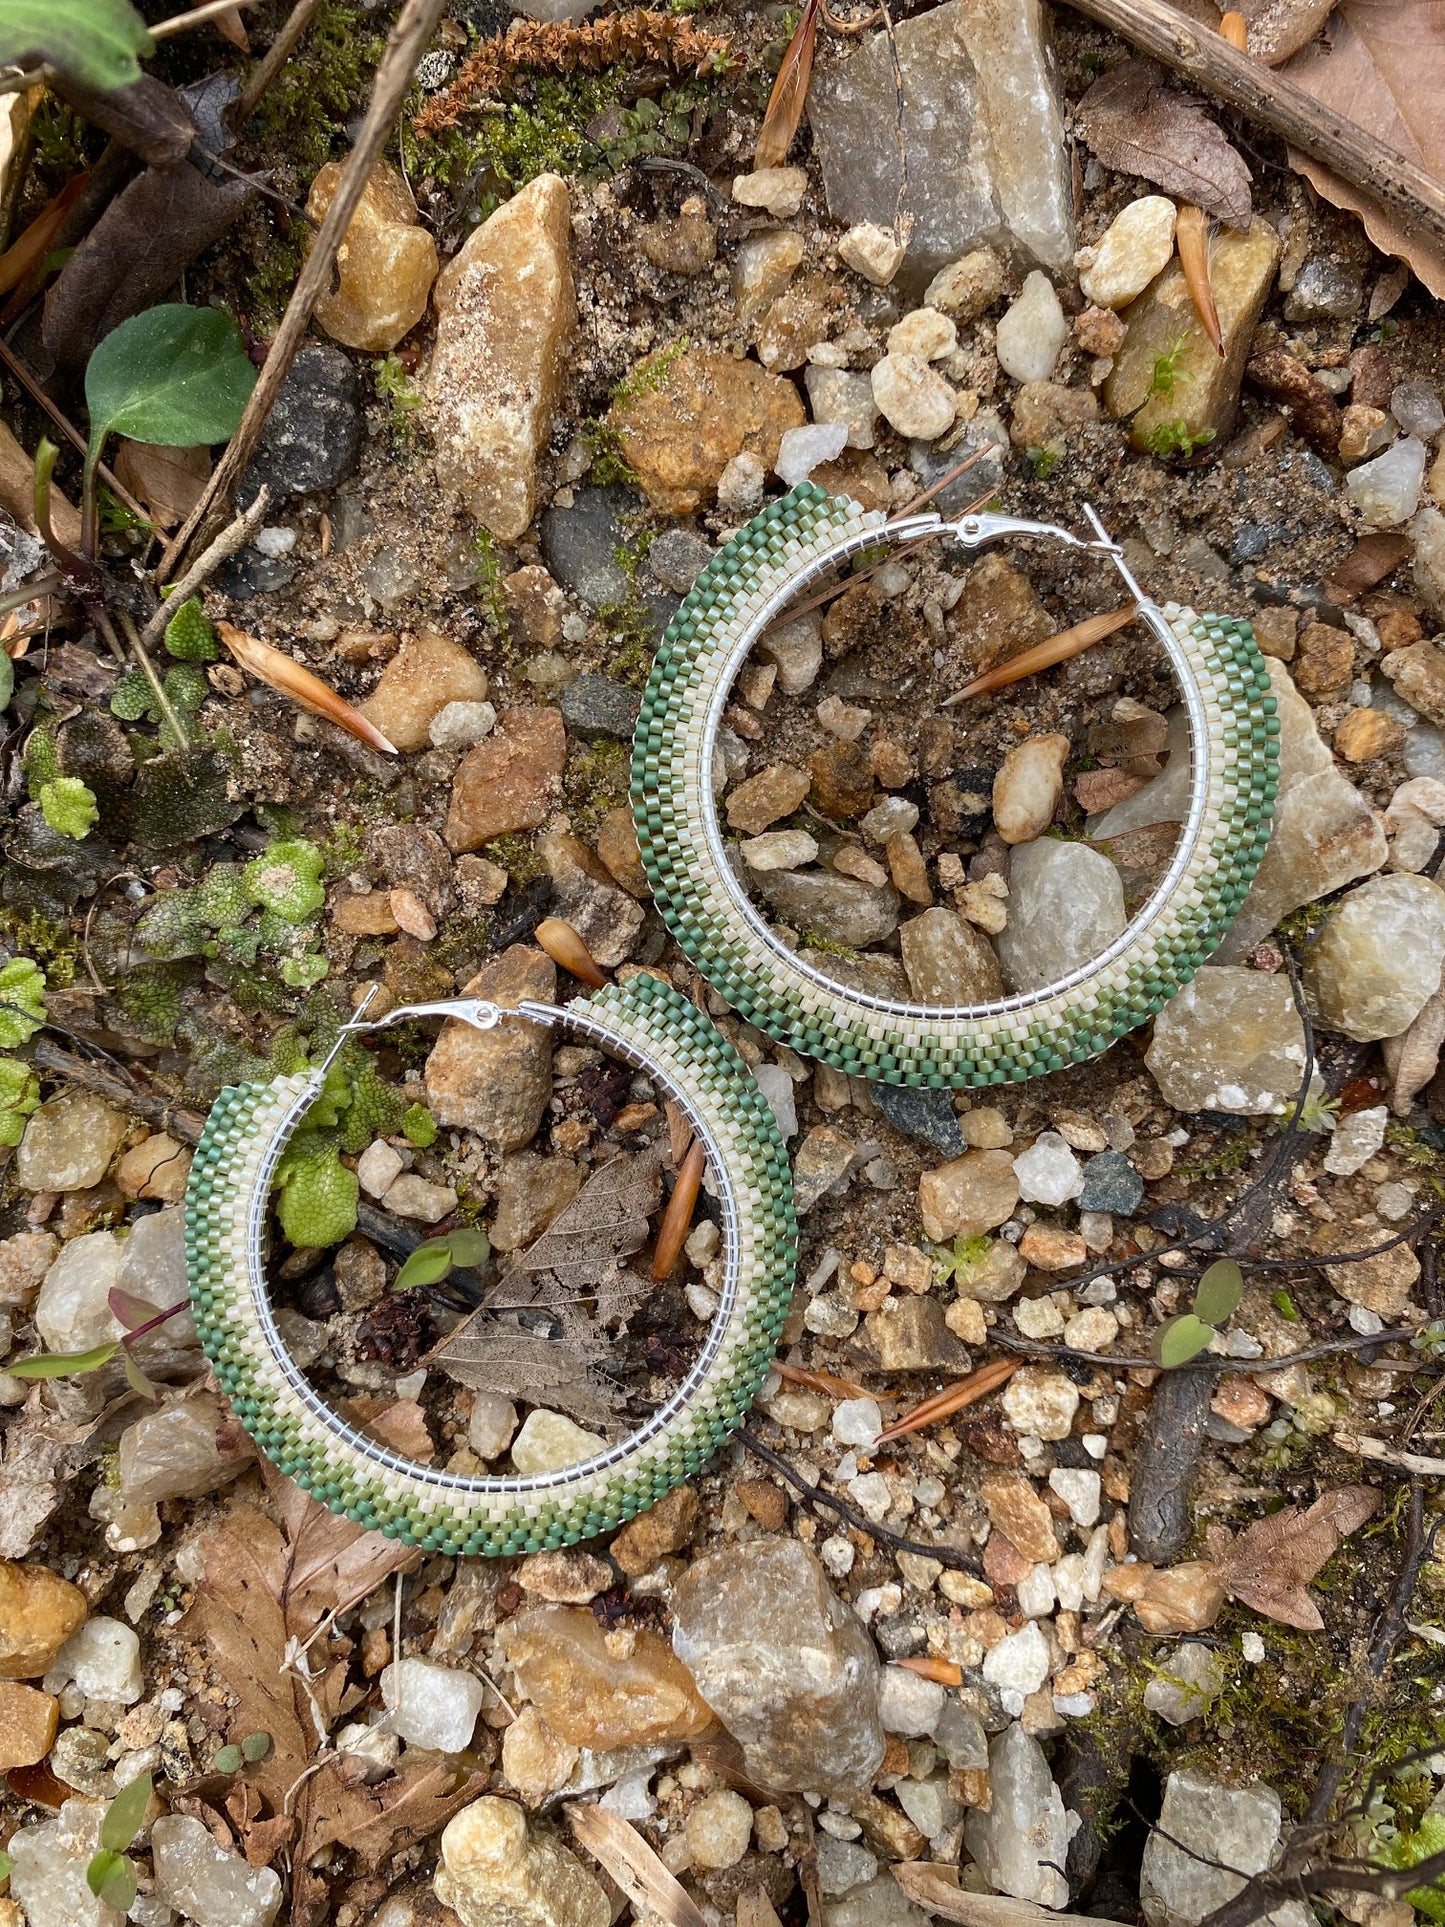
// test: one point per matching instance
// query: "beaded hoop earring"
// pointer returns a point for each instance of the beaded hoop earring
(651, 1026)
(751, 582)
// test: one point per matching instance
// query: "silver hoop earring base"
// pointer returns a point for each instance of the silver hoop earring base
(806, 537)
(650, 1025)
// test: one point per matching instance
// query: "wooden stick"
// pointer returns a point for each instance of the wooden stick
(221, 550)
(275, 57)
(1267, 96)
(183, 22)
(404, 48)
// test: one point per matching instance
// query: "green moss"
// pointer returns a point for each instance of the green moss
(419, 1126)
(19, 1096)
(516, 855)
(490, 591)
(305, 112)
(610, 467)
(42, 758)
(286, 880)
(596, 782)
(1169, 369)
(402, 399)
(189, 636)
(343, 851)
(651, 375)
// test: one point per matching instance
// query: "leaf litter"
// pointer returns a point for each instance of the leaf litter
(572, 1282)
(1135, 123)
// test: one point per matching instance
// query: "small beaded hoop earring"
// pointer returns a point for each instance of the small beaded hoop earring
(649, 1025)
(750, 583)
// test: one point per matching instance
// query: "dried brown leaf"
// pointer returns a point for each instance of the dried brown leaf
(790, 91)
(1270, 1563)
(490, 1356)
(168, 481)
(1384, 69)
(605, 1222)
(1413, 1057)
(230, 26)
(1133, 122)
(374, 1822)
(42, 1454)
(1279, 28)
(638, 1871)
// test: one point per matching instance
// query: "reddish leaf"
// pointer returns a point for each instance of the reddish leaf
(790, 91)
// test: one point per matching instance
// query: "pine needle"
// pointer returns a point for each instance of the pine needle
(279, 671)
(944, 1404)
(1045, 654)
(1191, 237)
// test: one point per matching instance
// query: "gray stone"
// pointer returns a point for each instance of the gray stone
(1325, 833)
(1324, 290)
(1186, 1683)
(1111, 1184)
(313, 434)
(1021, 1841)
(822, 1164)
(838, 909)
(580, 544)
(878, 1903)
(949, 963)
(207, 1882)
(787, 1667)
(595, 705)
(925, 1114)
(676, 558)
(843, 1865)
(981, 128)
(1065, 906)
(1386, 490)
(1416, 407)
(1218, 1828)
(497, 1082)
(1231, 1040)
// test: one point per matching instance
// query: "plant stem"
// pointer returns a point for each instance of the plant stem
(148, 670)
(276, 56)
(183, 22)
(221, 550)
(50, 584)
(45, 458)
(67, 428)
(405, 47)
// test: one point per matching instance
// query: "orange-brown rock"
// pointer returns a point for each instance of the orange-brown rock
(510, 781)
(603, 1690)
(684, 417)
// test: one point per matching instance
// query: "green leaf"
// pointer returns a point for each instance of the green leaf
(93, 41)
(125, 1815)
(69, 807)
(7, 1861)
(228, 1760)
(469, 1246)
(112, 1878)
(7, 679)
(136, 1378)
(64, 1364)
(189, 636)
(256, 1747)
(419, 1126)
(427, 1265)
(319, 1195)
(174, 375)
(22, 1001)
(286, 879)
(1219, 1292)
(1183, 1338)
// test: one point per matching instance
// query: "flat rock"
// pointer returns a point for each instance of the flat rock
(787, 1666)
(986, 161)
(835, 908)
(1136, 245)
(595, 1697)
(1325, 834)
(511, 781)
(506, 310)
(686, 416)
(912, 1335)
(1204, 393)
(925, 1114)
(1223, 1834)
(312, 439)
(1065, 907)
(69, 1143)
(497, 1082)
(1378, 957)
(1231, 1040)
(426, 673)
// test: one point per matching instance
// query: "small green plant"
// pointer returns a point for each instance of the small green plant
(1169, 369)
(189, 635)
(650, 376)
(69, 807)
(252, 1750)
(1176, 439)
(954, 1264)
(22, 1001)
(111, 1874)
(1216, 1299)
(318, 1196)
(403, 399)
(19, 1096)
(1043, 461)
(1408, 1849)
(435, 1260)
(1285, 1306)
(490, 591)
(286, 879)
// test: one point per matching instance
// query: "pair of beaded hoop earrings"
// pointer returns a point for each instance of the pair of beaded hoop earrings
(751, 581)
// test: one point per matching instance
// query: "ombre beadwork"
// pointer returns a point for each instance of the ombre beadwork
(793, 998)
(644, 1021)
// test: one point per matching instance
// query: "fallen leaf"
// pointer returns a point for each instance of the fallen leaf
(399, 1424)
(1270, 1563)
(374, 1822)
(490, 1356)
(1413, 1057)
(1384, 69)
(605, 1222)
(1279, 28)
(1136, 124)
(42, 1456)
(169, 481)
(633, 1864)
